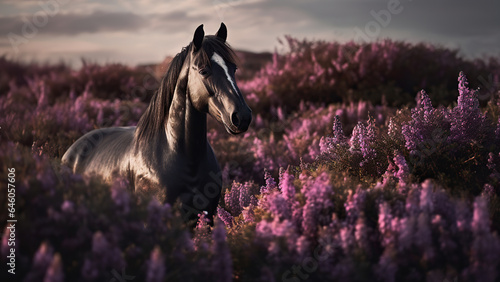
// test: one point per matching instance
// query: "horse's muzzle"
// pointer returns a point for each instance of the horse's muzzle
(240, 121)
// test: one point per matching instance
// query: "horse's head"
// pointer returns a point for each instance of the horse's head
(211, 84)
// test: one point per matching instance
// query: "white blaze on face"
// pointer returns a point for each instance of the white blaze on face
(216, 58)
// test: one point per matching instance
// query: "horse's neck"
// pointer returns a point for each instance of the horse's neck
(186, 128)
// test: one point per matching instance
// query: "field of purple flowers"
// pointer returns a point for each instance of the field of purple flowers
(375, 161)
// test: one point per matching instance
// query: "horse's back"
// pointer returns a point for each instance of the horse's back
(101, 151)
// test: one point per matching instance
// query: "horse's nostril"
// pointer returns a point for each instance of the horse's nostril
(235, 119)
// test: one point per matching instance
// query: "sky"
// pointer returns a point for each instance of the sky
(146, 31)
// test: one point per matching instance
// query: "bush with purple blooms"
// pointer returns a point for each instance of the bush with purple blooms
(314, 191)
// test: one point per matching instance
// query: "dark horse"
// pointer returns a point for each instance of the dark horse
(167, 155)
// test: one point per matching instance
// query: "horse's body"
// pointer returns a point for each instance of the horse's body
(168, 155)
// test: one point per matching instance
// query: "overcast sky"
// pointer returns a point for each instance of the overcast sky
(146, 31)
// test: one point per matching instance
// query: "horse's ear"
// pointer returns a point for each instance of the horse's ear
(198, 37)
(222, 33)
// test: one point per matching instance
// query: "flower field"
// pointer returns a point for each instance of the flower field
(364, 162)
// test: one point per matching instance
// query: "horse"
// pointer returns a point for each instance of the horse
(167, 155)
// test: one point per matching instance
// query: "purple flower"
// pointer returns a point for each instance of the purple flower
(481, 218)
(232, 199)
(412, 205)
(55, 271)
(367, 141)
(286, 185)
(68, 206)
(156, 266)
(356, 137)
(347, 238)
(424, 102)
(201, 233)
(386, 267)
(317, 191)
(303, 247)
(270, 183)
(338, 138)
(248, 213)
(269, 231)
(239, 197)
(105, 255)
(488, 191)
(157, 214)
(278, 205)
(221, 261)
(407, 232)
(361, 233)
(363, 139)
(184, 246)
(426, 195)
(120, 195)
(467, 121)
(403, 173)
(309, 218)
(43, 256)
(41, 262)
(497, 133)
(384, 223)
(427, 128)
(423, 237)
(485, 249)
(354, 204)
(393, 131)
(463, 217)
(388, 176)
(225, 216)
(245, 195)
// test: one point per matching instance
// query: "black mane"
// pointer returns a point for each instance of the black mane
(155, 117)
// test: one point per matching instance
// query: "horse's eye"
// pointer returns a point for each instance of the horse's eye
(204, 72)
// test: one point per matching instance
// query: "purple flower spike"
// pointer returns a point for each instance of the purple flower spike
(221, 254)
(481, 218)
(270, 183)
(286, 185)
(403, 172)
(55, 272)
(156, 266)
(467, 121)
(225, 216)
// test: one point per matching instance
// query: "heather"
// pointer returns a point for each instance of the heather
(384, 72)
(381, 164)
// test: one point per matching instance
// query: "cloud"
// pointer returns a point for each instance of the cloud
(176, 20)
(162, 27)
(72, 24)
(97, 22)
